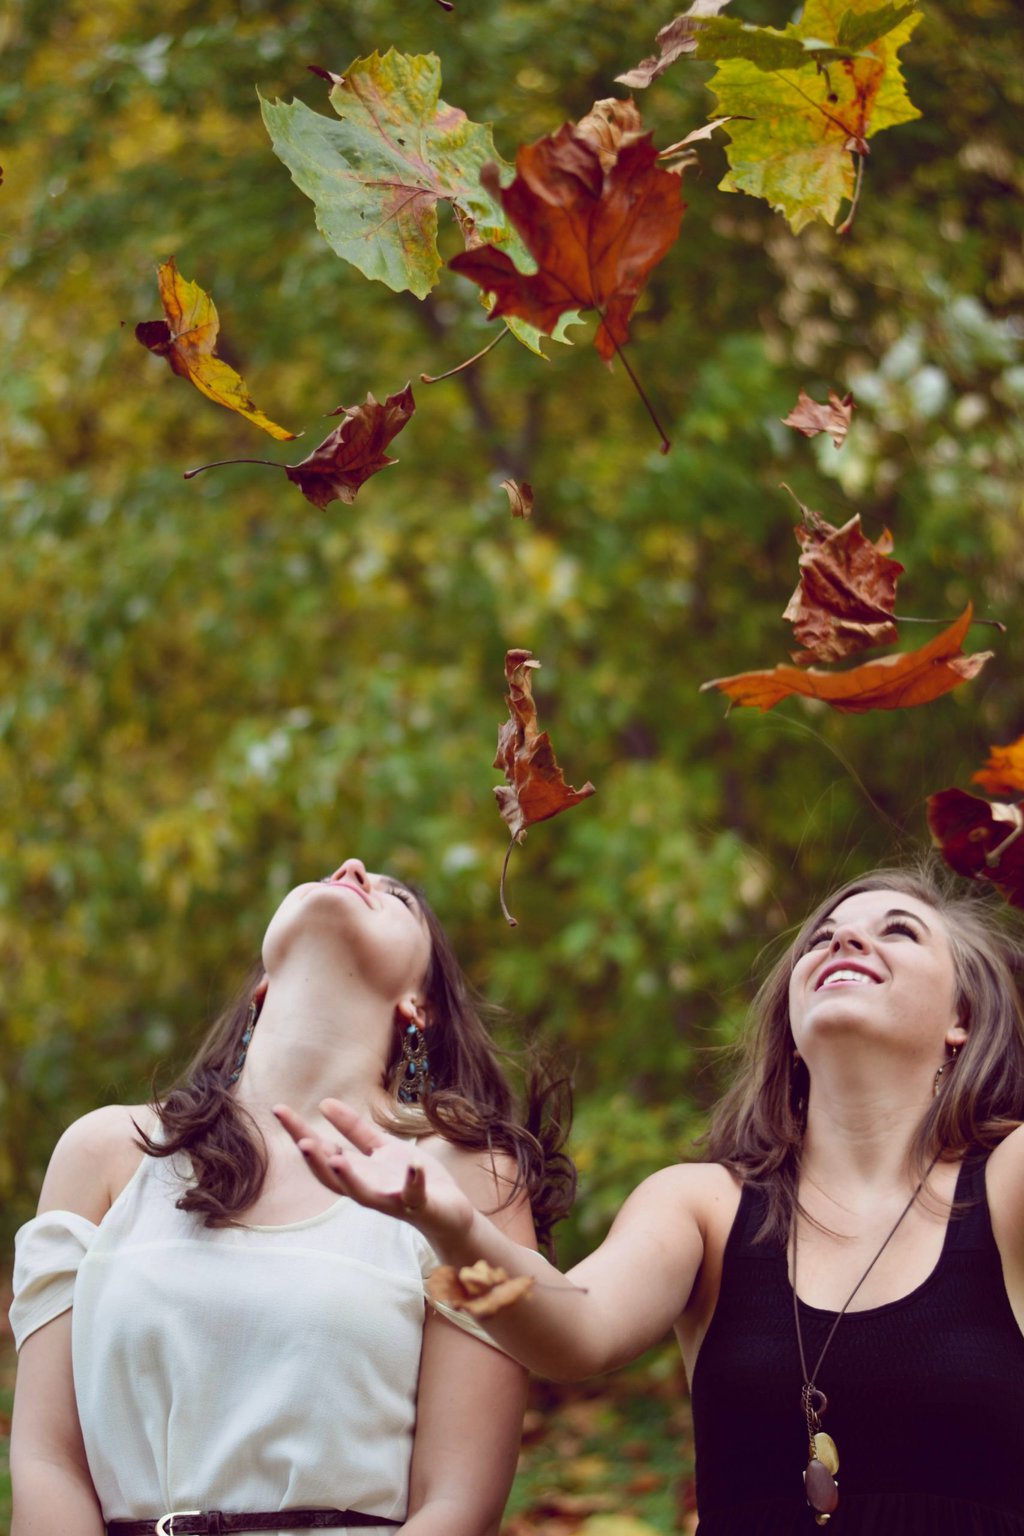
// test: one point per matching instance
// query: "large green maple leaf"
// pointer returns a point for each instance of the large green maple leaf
(807, 121)
(377, 175)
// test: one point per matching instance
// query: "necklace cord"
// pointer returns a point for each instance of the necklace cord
(809, 1380)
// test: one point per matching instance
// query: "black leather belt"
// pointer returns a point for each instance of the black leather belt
(219, 1522)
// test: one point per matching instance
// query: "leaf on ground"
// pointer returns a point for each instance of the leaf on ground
(536, 788)
(980, 839)
(1003, 774)
(595, 230)
(846, 595)
(806, 122)
(520, 497)
(187, 338)
(675, 39)
(480, 1289)
(889, 682)
(353, 452)
(810, 417)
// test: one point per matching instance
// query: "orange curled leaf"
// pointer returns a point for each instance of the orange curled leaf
(536, 788)
(520, 497)
(1003, 774)
(187, 338)
(980, 839)
(479, 1288)
(354, 451)
(890, 682)
(596, 212)
(846, 595)
(810, 418)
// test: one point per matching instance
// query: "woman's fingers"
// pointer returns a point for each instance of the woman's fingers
(362, 1133)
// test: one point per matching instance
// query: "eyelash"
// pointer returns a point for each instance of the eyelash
(403, 895)
(894, 925)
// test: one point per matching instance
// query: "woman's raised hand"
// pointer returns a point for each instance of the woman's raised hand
(381, 1171)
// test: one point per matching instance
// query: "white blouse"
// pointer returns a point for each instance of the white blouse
(234, 1368)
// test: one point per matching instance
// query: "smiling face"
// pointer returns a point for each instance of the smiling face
(879, 964)
(370, 923)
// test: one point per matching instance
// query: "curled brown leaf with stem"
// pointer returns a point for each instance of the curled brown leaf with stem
(535, 788)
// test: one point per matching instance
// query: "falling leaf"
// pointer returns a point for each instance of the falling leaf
(810, 418)
(479, 1288)
(675, 39)
(378, 173)
(1003, 774)
(348, 456)
(808, 117)
(889, 682)
(594, 230)
(535, 788)
(520, 497)
(187, 338)
(674, 157)
(980, 839)
(611, 125)
(354, 451)
(846, 596)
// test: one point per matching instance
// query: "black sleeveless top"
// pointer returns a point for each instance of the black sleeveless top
(925, 1394)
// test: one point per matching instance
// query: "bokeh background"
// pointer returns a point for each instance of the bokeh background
(211, 690)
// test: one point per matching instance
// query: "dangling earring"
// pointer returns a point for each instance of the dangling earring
(243, 1049)
(800, 1109)
(938, 1076)
(414, 1081)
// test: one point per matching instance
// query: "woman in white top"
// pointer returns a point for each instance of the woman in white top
(210, 1343)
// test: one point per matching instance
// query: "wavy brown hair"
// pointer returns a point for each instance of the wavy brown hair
(757, 1129)
(470, 1102)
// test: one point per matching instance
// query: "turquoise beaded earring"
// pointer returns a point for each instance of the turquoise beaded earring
(243, 1049)
(414, 1081)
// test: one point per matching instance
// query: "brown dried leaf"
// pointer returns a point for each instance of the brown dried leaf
(611, 125)
(810, 418)
(187, 338)
(980, 839)
(520, 497)
(846, 595)
(890, 682)
(536, 788)
(354, 451)
(1003, 774)
(675, 39)
(479, 1288)
(596, 222)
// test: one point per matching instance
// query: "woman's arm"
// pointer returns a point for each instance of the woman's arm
(618, 1302)
(49, 1472)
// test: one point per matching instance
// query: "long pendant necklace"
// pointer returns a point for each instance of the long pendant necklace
(820, 1486)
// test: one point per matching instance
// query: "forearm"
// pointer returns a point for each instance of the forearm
(449, 1517)
(50, 1497)
(556, 1329)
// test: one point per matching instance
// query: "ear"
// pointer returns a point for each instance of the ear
(411, 1011)
(956, 1036)
(259, 991)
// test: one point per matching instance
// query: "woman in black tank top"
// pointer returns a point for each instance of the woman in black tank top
(846, 1273)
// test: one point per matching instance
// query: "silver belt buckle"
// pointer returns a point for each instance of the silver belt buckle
(165, 1525)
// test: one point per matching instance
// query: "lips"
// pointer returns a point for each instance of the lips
(348, 885)
(846, 975)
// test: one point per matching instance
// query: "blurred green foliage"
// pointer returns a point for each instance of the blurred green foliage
(211, 690)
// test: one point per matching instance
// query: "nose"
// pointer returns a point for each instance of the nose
(846, 936)
(354, 870)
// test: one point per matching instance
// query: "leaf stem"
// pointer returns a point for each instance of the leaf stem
(903, 618)
(217, 464)
(427, 378)
(847, 224)
(501, 887)
(624, 360)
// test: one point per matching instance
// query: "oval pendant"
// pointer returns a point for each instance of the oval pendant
(824, 1448)
(820, 1487)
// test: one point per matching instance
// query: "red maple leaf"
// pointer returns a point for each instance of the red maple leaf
(595, 222)
(846, 596)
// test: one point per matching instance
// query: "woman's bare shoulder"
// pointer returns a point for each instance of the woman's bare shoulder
(705, 1192)
(94, 1159)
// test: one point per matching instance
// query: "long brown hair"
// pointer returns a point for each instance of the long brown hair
(470, 1102)
(757, 1128)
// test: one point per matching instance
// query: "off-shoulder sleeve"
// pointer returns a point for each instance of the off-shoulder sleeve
(429, 1261)
(47, 1252)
